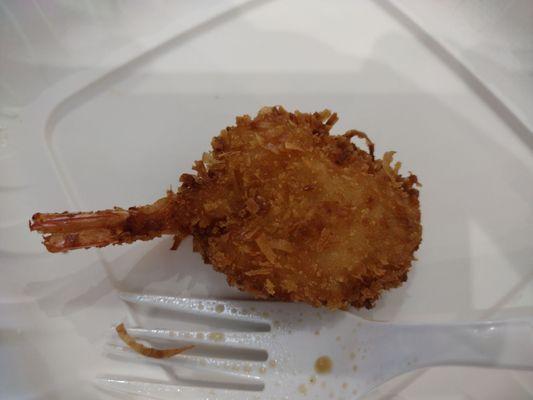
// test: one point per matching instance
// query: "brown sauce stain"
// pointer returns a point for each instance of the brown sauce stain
(323, 365)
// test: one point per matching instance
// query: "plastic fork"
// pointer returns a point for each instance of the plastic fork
(287, 351)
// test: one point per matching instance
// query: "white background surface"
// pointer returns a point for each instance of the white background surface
(445, 84)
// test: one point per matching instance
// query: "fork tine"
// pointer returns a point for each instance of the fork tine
(231, 309)
(166, 391)
(256, 340)
(235, 370)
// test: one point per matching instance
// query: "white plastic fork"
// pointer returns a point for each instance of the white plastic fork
(274, 354)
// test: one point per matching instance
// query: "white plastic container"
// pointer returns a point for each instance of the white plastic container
(105, 104)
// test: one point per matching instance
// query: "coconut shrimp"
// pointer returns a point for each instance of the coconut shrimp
(282, 207)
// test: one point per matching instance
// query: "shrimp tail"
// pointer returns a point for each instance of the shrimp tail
(68, 231)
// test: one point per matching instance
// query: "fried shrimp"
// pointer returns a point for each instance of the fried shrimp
(284, 209)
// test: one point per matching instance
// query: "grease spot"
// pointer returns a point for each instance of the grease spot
(216, 336)
(219, 308)
(323, 365)
(302, 389)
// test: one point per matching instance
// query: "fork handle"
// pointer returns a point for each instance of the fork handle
(497, 344)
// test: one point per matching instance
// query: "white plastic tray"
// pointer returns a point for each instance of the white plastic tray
(122, 131)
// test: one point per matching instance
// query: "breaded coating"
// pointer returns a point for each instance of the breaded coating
(284, 209)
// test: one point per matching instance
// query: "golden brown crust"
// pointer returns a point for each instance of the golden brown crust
(289, 212)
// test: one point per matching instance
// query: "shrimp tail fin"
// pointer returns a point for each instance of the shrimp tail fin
(68, 231)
